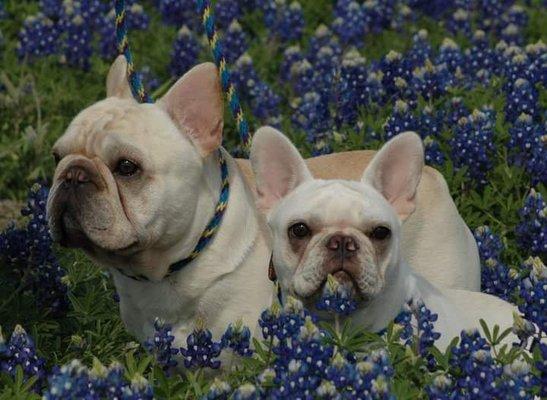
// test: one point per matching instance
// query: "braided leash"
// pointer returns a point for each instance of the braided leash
(122, 43)
(139, 92)
(208, 20)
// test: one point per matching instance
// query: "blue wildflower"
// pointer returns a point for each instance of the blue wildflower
(312, 115)
(522, 98)
(201, 351)
(219, 390)
(238, 338)
(302, 77)
(533, 291)
(286, 21)
(451, 56)
(441, 388)
(291, 56)
(77, 47)
(184, 53)
(433, 154)
(247, 391)
(480, 55)
(429, 81)
(421, 49)
(69, 381)
(531, 232)
(21, 352)
(472, 146)
(161, 345)
(178, 12)
(322, 37)
(350, 25)
(374, 375)
(459, 22)
(234, 42)
(137, 18)
(536, 165)
(456, 111)
(336, 298)
(401, 120)
(226, 12)
(396, 70)
(430, 122)
(38, 38)
(352, 91)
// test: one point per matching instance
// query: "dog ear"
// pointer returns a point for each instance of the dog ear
(116, 80)
(396, 170)
(277, 165)
(194, 103)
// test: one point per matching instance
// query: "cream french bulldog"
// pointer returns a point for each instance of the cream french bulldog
(136, 185)
(352, 231)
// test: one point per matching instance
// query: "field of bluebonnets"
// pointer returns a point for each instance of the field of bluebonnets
(468, 75)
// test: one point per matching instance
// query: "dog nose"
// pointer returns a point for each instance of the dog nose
(76, 175)
(343, 244)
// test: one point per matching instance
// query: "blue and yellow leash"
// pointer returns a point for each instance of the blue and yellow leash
(139, 92)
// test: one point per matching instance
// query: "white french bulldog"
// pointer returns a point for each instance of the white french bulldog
(352, 230)
(136, 185)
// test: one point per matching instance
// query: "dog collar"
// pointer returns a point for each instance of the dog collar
(210, 230)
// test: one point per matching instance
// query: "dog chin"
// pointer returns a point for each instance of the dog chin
(345, 279)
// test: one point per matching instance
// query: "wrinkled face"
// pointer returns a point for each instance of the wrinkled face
(342, 228)
(121, 182)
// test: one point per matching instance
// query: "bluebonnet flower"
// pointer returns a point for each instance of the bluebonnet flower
(285, 21)
(327, 390)
(441, 388)
(326, 71)
(29, 253)
(340, 372)
(69, 381)
(472, 146)
(302, 77)
(518, 381)
(524, 136)
(433, 154)
(38, 38)
(537, 70)
(139, 389)
(522, 98)
(238, 338)
(473, 367)
(378, 15)
(459, 22)
(480, 55)
(21, 352)
(161, 345)
(516, 15)
(184, 53)
(429, 81)
(350, 24)
(226, 11)
(400, 121)
(322, 37)
(352, 88)
(51, 8)
(291, 56)
(533, 291)
(107, 36)
(418, 328)
(201, 351)
(219, 390)
(234, 42)
(541, 365)
(404, 16)
(536, 165)
(450, 55)
(456, 110)
(421, 49)
(531, 232)
(298, 381)
(336, 298)
(374, 374)
(313, 116)
(178, 12)
(512, 35)
(282, 322)
(489, 244)
(137, 18)
(395, 68)
(247, 391)
(430, 122)
(77, 48)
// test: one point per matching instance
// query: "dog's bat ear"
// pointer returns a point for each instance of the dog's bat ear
(194, 103)
(116, 81)
(396, 170)
(277, 165)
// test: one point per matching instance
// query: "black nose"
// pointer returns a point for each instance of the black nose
(344, 245)
(76, 175)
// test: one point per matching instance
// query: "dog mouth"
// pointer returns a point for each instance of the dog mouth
(347, 285)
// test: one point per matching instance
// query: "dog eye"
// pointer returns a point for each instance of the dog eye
(380, 233)
(126, 168)
(299, 230)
